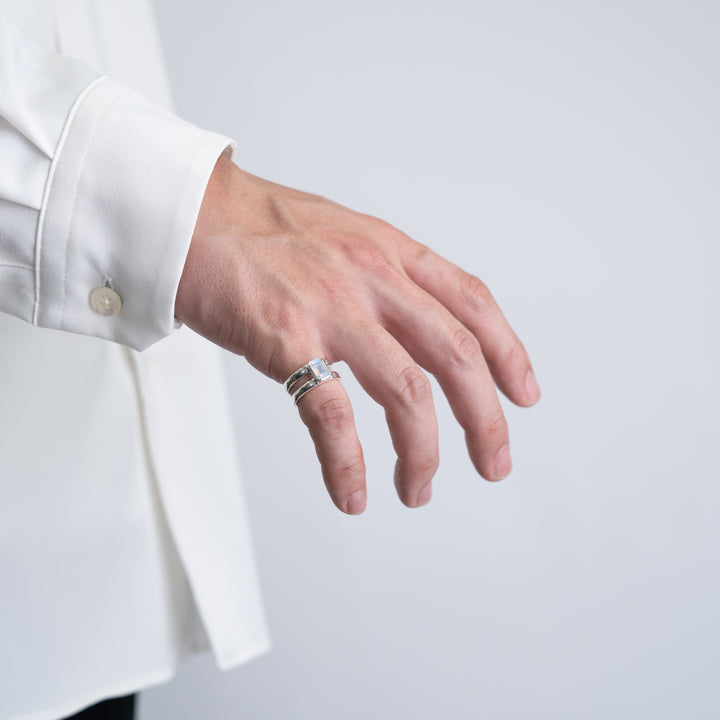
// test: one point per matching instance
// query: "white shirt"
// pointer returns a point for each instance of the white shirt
(124, 542)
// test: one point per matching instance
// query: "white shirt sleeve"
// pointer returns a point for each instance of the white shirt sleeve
(99, 188)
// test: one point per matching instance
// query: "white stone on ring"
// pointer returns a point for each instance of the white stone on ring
(318, 370)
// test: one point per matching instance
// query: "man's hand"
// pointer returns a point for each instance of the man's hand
(281, 277)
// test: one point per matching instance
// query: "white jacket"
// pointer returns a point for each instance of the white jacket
(124, 543)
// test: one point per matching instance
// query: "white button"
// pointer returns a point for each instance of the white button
(105, 301)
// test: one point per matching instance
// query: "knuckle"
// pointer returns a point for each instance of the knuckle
(426, 465)
(332, 289)
(422, 253)
(475, 294)
(383, 227)
(380, 225)
(369, 256)
(464, 348)
(334, 414)
(414, 387)
(514, 353)
(351, 469)
(496, 425)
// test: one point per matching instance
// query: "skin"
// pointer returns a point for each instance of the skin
(281, 276)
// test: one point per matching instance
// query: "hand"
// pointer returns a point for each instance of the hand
(281, 277)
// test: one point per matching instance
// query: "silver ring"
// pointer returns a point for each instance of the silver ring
(318, 370)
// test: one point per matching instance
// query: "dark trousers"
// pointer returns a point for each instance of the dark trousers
(122, 708)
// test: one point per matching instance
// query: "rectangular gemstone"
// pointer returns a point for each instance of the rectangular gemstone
(319, 369)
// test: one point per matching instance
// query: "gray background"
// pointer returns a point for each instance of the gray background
(567, 153)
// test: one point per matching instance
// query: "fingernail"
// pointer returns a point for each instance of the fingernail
(424, 495)
(532, 389)
(356, 502)
(503, 463)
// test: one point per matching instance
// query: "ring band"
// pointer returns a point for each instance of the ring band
(318, 370)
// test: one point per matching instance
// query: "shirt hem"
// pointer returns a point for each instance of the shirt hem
(245, 655)
(118, 689)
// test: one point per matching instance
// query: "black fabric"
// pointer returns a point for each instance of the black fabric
(122, 708)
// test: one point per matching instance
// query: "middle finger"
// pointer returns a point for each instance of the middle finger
(447, 349)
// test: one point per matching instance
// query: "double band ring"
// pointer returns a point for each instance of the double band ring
(317, 372)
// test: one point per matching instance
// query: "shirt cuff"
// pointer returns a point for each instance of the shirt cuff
(121, 203)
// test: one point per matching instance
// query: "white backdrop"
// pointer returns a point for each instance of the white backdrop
(568, 154)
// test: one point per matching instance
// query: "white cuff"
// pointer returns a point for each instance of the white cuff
(120, 206)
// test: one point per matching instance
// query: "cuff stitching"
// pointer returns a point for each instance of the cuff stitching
(48, 187)
(74, 201)
(16, 266)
